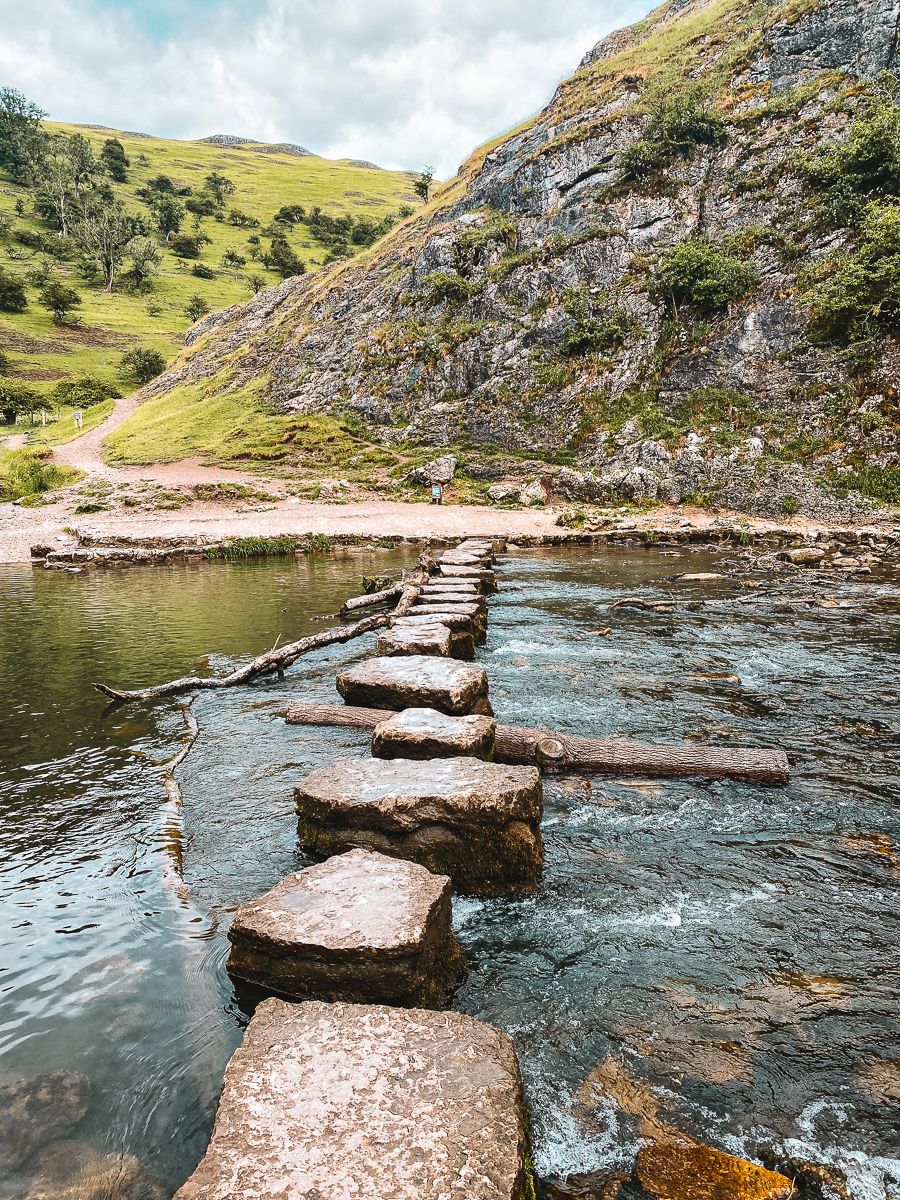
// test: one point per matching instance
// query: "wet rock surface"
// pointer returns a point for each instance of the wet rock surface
(414, 681)
(366, 1101)
(477, 822)
(359, 927)
(36, 1111)
(485, 578)
(423, 733)
(462, 630)
(677, 1168)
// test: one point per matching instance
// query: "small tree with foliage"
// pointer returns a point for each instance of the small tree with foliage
(59, 299)
(422, 186)
(13, 297)
(168, 213)
(143, 263)
(21, 134)
(196, 308)
(255, 283)
(17, 399)
(283, 259)
(82, 393)
(142, 364)
(219, 187)
(183, 245)
(103, 235)
(115, 160)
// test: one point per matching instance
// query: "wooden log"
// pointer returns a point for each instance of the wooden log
(612, 756)
(371, 599)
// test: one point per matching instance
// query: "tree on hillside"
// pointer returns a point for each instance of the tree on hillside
(219, 186)
(143, 262)
(168, 214)
(66, 175)
(103, 235)
(21, 134)
(59, 299)
(283, 259)
(196, 308)
(115, 160)
(12, 293)
(422, 186)
(17, 399)
(255, 283)
(142, 364)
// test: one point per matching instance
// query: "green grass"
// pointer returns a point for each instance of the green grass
(25, 476)
(60, 426)
(235, 428)
(42, 353)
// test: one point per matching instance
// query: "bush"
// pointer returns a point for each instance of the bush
(864, 168)
(700, 273)
(202, 271)
(17, 399)
(82, 393)
(184, 245)
(232, 260)
(857, 295)
(142, 364)
(446, 285)
(588, 333)
(13, 298)
(678, 125)
(196, 308)
(5, 363)
(202, 205)
(283, 259)
(290, 214)
(59, 299)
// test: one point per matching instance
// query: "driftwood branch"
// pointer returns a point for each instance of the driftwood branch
(276, 660)
(371, 599)
(560, 752)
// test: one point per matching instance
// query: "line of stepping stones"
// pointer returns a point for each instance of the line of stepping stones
(354, 1080)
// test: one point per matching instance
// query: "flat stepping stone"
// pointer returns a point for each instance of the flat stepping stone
(462, 630)
(451, 597)
(432, 639)
(414, 681)
(423, 733)
(477, 822)
(454, 558)
(486, 578)
(443, 611)
(359, 927)
(341, 1100)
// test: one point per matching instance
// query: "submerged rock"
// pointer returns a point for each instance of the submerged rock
(414, 681)
(477, 822)
(359, 927)
(366, 1101)
(803, 556)
(75, 1171)
(35, 1111)
(679, 1168)
(423, 733)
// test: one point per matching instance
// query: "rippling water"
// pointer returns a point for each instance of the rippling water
(726, 950)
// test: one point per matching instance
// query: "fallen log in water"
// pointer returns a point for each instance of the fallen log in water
(370, 599)
(560, 752)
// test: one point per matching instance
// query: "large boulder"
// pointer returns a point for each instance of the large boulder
(477, 822)
(359, 927)
(439, 470)
(38, 1110)
(414, 681)
(338, 1100)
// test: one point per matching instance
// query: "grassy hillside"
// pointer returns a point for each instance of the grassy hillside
(42, 353)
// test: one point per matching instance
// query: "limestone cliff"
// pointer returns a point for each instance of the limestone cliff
(635, 282)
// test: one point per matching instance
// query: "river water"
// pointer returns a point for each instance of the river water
(721, 957)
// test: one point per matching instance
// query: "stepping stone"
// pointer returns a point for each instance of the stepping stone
(360, 927)
(477, 822)
(414, 681)
(485, 578)
(462, 635)
(452, 585)
(423, 733)
(475, 614)
(454, 559)
(339, 1100)
(434, 639)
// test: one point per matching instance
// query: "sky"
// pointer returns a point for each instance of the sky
(398, 82)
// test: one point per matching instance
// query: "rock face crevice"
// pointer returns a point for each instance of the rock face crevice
(455, 329)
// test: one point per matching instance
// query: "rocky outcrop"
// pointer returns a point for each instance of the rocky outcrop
(438, 1094)
(359, 927)
(477, 822)
(522, 309)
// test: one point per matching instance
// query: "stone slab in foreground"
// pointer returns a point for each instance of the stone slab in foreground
(423, 733)
(477, 822)
(359, 927)
(434, 640)
(339, 1100)
(414, 681)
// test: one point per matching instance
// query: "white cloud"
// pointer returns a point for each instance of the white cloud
(400, 82)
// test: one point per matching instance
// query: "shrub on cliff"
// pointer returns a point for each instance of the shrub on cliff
(701, 274)
(679, 123)
(857, 295)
